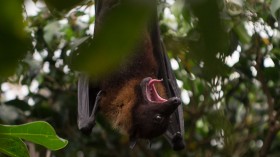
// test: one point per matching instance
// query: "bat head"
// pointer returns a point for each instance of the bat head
(151, 117)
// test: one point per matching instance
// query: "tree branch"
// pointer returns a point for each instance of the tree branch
(273, 125)
(273, 129)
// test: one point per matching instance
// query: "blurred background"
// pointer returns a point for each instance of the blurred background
(225, 54)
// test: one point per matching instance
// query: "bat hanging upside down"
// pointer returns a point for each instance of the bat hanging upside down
(141, 99)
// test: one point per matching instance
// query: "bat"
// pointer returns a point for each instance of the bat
(142, 98)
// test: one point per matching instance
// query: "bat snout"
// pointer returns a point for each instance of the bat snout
(175, 101)
(170, 106)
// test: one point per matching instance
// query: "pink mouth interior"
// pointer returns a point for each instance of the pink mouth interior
(152, 93)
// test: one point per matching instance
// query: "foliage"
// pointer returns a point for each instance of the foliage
(37, 132)
(11, 30)
(225, 54)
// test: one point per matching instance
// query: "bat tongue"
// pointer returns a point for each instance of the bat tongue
(152, 93)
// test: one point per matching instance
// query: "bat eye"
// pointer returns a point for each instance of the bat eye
(158, 118)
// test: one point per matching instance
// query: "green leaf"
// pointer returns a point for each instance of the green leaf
(116, 34)
(219, 121)
(274, 7)
(235, 7)
(39, 132)
(242, 33)
(13, 146)
(14, 41)
(62, 5)
(51, 33)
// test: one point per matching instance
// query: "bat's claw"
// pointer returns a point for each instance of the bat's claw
(149, 144)
(132, 143)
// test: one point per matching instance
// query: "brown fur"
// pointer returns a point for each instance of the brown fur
(118, 110)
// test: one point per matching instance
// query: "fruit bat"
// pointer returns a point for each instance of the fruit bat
(141, 99)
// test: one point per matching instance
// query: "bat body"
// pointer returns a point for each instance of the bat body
(141, 99)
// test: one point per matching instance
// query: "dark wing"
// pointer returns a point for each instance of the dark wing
(88, 94)
(83, 102)
(88, 99)
(175, 131)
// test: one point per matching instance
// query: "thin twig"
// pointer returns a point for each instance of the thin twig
(273, 125)
(268, 141)
(48, 153)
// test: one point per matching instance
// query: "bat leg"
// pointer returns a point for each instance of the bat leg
(88, 123)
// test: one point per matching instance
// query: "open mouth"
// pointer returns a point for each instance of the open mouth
(151, 92)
